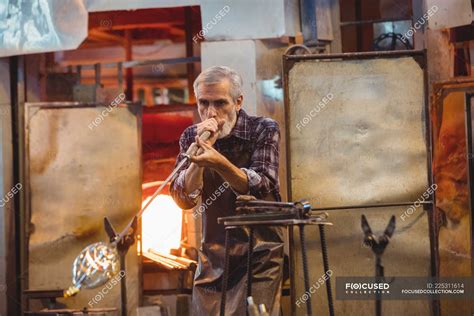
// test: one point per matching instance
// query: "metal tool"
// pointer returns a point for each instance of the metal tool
(192, 150)
(378, 247)
(254, 213)
(87, 265)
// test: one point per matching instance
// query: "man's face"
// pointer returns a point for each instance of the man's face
(215, 101)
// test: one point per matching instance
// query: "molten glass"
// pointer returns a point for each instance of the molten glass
(94, 266)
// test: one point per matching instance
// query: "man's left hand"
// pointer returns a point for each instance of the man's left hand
(207, 156)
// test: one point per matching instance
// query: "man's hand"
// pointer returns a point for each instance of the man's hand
(194, 173)
(207, 156)
(211, 125)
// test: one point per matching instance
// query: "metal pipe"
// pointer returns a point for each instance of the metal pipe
(135, 63)
(292, 265)
(324, 251)
(350, 23)
(168, 262)
(123, 286)
(97, 72)
(226, 271)
(357, 55)
(192, 150)
(249, 262)
(309, 307)
(128, 71)
(381, 205)
(184, 261)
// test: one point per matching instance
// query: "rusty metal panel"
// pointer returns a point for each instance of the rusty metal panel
(367, 141)
(453, 172)
(7, 210)
(77, 173)
(357, 135)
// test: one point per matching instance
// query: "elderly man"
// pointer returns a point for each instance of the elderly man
(239, 158)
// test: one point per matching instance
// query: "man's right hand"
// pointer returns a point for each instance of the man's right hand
(194, 173)
(210, 125)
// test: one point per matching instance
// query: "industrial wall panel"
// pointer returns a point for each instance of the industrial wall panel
(356, 131)
(77, 173)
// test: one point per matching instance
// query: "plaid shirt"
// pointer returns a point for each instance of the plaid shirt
(259, 133)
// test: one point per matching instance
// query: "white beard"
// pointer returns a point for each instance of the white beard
(227, 127)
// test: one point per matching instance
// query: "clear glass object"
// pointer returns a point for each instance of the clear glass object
(93, 267)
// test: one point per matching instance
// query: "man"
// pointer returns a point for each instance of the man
(239, 158)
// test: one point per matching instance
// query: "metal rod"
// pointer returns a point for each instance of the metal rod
(120, 76)
(226, 272)
(278, 222)
(123, 285)
(380, 274)
(292, 265)
(309, 307)
(140, 213)
(151, 184)
(249, 262)
(358, 55)
(359, 29)
(137, 63)
(97, 70)
(128, 71)
(180, 260)
(192, 150)
(265, 203)
(432, 223)
(350, 23)
(78, 74)
(188, 35)
(172, 263)
(171, 61)
(324, 251)
(348, 207)
(157, 259)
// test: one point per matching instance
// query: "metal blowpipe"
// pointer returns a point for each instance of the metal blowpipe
(192, 150)
(99, 262)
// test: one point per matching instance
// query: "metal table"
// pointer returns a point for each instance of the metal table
(264, 213)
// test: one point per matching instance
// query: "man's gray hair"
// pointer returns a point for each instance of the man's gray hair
(215, 75)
